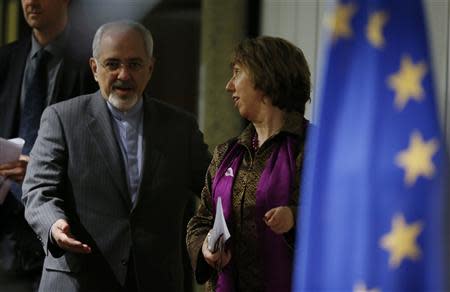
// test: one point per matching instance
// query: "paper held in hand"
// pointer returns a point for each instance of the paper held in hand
(9, 151)
(219, 234)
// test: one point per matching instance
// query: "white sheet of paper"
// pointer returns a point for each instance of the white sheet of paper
(219, 228)
(10, 151)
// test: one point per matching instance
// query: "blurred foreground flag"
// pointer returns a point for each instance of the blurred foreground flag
(373, 198)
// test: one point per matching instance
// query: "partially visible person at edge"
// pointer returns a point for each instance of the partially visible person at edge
(256, 174)
(66, 74)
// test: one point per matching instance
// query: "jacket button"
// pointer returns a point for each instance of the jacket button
(124, 262)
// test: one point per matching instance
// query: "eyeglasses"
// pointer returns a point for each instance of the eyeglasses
(113, 66)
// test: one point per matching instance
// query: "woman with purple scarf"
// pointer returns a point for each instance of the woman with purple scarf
(256, 174)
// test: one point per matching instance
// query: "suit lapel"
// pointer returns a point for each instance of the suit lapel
(100, 126)
(154, 139)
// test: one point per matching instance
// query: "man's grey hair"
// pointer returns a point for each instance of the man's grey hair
(122, 24)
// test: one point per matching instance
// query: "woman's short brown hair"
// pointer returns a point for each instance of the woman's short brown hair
(278, 68)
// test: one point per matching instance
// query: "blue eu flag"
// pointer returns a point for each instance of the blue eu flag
(372, 213)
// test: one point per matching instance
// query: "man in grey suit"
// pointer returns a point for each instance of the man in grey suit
(110, 174)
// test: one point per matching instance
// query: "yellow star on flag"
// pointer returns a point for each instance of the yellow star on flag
(416, 160)
(401, 241)
(407, 82)
(339, 21)
(361, 287)
(374, 29)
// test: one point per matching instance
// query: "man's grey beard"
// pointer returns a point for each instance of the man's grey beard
(123, 103)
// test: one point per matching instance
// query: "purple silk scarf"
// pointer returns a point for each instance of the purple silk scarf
(274, 189)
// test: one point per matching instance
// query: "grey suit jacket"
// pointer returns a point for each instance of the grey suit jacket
(76, 172)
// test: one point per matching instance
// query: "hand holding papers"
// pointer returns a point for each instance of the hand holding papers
(219, 234)
(9, 151)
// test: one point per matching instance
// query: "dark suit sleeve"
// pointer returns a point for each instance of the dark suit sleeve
(200, 159)
(43, 185)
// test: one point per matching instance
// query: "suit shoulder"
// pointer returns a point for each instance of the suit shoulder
(74, 105)
(11, 47)
(7, 51)
(169, 110)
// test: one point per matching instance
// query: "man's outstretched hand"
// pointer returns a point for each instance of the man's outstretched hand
(64, 239)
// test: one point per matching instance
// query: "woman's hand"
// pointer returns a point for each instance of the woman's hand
(279, 219)
(217, 260)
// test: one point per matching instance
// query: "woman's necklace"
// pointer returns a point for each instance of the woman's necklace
(255, 142)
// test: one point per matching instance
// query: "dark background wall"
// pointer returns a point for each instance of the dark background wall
(175, 25)
(176, 30)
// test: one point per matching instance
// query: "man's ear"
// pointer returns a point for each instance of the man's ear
(94, 67)
(151, 65)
